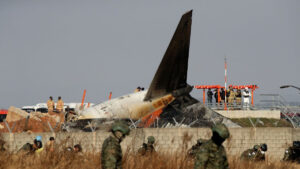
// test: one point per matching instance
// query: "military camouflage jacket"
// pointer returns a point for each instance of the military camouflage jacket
(211, 156)
(192, 151)
(288, 154)
(292, 154)
(251, 154)
(146, 149)
(111, 155)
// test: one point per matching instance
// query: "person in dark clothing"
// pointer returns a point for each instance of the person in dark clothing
(292, 154)
(37, 146)
(228, 92)
(216, 95)
(222, 95)
(209, 96)
(238, 98)
(77, 148)
(147, 148)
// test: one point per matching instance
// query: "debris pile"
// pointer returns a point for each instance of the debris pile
(16, 114)
(21, 121)
(195, 115)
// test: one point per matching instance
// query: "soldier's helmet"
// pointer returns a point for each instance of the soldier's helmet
(264, 147)
(296, 144)
(151, 139)
(222, 130)
(120, 126)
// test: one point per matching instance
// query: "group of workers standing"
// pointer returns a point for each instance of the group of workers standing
(235, 98)
(59, 105)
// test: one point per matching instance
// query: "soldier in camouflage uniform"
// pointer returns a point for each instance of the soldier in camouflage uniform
(247, 154)
(292, 154)
(257, 153)
(211, 154)
(192, 151)
(111, 154)
(147, 149)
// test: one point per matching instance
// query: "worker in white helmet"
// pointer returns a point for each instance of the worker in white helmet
(246, 98)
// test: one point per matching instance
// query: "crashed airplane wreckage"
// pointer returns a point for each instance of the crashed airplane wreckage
(167, 101)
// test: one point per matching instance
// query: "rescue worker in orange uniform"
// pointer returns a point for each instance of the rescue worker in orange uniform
(60, 105)
(50, 105)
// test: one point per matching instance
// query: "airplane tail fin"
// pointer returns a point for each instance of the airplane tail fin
(172, 72)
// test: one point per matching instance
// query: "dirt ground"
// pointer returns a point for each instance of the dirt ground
(32, 125)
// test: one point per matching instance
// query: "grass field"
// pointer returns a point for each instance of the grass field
(66, 160)
(61, 159)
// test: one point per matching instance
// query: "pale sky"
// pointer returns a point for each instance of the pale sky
(61, 47)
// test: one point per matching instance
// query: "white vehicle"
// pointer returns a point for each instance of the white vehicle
(42, 107)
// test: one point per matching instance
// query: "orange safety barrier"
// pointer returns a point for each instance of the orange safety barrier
(83, 97)
(225, 105)
(244, 86)
(110, 94)
(203, 96)
(208, 87)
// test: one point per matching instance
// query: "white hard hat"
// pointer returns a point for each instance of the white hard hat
(246, 88)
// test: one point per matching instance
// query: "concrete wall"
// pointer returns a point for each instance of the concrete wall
(170, 139)
(271, 114)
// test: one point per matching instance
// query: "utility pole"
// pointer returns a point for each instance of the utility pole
(225, 73)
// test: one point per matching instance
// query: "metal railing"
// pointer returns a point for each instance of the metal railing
(229, 106)
(268, 101)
